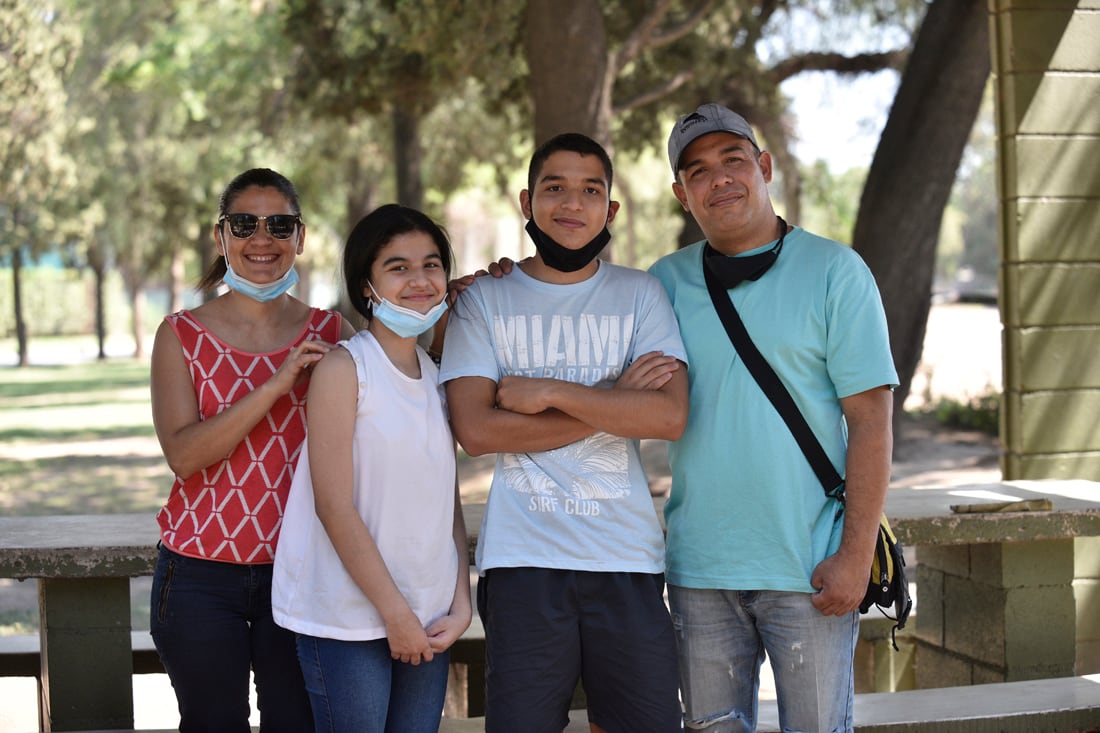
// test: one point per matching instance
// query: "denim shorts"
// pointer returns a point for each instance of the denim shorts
(723, 636)
(211, 623)
(546, 629)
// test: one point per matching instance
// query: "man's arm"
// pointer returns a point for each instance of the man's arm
(481, 428)
(630, 413)
(841, 579)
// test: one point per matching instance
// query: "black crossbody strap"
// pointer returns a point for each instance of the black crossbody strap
(777, 393)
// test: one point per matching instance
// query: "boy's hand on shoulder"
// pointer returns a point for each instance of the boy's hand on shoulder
(649, 371)
(496, 269)
(526, 395)
(500, 268)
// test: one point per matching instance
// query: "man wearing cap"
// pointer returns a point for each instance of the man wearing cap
(759, 560)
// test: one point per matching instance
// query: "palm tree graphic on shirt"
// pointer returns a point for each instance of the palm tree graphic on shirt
(599, 469)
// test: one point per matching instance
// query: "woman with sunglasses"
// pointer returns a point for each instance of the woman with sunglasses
(229, 381)
(372, 572)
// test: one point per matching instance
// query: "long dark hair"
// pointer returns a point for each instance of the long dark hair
(260, 178)
(373, 232)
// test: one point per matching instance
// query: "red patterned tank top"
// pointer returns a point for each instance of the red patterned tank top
(232, 510)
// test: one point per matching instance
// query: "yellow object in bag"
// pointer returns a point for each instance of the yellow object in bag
(887, 585)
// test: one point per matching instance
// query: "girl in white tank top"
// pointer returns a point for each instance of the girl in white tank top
(372, 570)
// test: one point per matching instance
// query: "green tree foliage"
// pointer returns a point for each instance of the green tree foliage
(399, 60)
(176, 98)
(36, 51)
(664, 58)
(158, 105)
(830, 200)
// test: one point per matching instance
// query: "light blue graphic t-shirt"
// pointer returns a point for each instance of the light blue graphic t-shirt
(586, 505)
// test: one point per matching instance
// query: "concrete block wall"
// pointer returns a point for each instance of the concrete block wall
(1046, 66)
(998, 612)
(1086, 591)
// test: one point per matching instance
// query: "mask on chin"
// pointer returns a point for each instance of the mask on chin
(405, 322)
(260, 293)
(562, 258)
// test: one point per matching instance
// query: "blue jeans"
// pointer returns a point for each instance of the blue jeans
(356, 687)
(211, 622)
(723, 636)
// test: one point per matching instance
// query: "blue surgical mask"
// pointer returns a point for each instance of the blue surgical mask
(259, 293)
(405, 322)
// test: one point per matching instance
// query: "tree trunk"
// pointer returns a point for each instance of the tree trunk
(406, 157)
(99, 273)
(690, 233)
(97, 263)
(207, 253)
(175, 285)
(137, 301)
(914, 168)
(571, 96)
(17, 305)
(626, 229)
(786, 166)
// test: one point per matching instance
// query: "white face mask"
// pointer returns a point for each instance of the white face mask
(260, 293)
(405, 322)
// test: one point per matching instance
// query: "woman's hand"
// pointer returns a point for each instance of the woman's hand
(298, 364)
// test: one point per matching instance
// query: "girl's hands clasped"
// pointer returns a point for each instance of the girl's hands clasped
(446, 631)
(408, 641)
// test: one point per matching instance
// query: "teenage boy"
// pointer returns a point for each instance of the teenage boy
(559, 368)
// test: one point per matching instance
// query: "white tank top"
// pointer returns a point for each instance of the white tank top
(404, 471)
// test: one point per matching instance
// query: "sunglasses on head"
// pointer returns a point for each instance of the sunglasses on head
(279, 226)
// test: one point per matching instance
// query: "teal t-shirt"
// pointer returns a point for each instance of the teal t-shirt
(746, 511)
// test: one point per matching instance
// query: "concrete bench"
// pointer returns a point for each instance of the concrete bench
(1060, 704)
(1068, 704)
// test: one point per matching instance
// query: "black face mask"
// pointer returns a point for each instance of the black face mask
(732, 271)
(562, 258)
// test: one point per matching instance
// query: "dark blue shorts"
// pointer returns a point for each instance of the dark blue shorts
(546, 629)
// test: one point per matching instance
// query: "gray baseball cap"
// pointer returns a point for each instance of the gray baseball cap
(708, 118)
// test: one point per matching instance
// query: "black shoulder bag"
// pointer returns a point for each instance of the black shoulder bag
(887, 585)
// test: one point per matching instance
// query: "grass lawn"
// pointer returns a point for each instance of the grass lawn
(78, 439)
